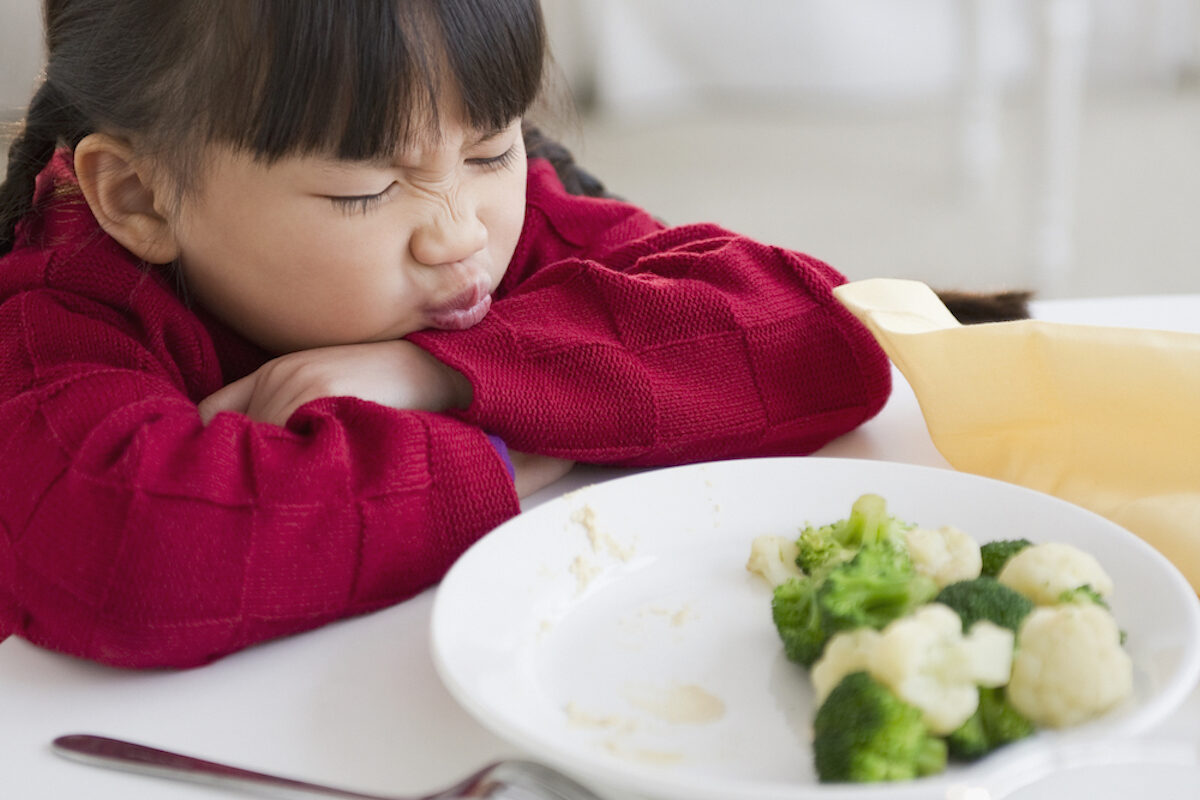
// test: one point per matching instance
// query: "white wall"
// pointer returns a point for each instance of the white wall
(663, 54)
(20, 54)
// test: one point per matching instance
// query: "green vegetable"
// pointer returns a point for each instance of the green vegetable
(798, 619)
(996, 554)
(986, 598)
(994, 724)
(863, 732)
(875, 587)
(1082, 594)
(822, 548)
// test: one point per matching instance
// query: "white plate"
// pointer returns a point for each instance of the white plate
(615, 633)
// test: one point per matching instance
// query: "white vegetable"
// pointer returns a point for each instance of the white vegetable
(947, 554)
(1042, 572)
(1070, 665)
(845, 652)
(925, 659)
(774, 558)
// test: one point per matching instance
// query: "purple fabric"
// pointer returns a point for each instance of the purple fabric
(502, 450)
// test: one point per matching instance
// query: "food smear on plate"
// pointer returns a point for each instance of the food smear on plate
(925, 647)
(676, 617)
(674, 704)
(678, 704)
(643, 755)
(578, 717)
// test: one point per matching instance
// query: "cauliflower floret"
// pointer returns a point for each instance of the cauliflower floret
(846, 652)
(774, 558)
(1069, 665)
(947, 554)
(928, 662)
(1042, 572)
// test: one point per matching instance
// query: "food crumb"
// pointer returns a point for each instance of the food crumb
(682, 616)
(585, 517)
(585, 572)
(676, 617)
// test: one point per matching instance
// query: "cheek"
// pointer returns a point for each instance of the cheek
(275, 278)
(253, 246)
(508, 221)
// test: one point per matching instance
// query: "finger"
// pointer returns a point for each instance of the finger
(276, 407)
(231, 397)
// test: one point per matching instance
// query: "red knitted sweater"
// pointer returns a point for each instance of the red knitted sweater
(135, 535)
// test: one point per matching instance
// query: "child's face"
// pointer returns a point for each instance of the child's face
(312, 251)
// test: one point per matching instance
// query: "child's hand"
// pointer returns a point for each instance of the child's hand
(534, 471)
(394, 373)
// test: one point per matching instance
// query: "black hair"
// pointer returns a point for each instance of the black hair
(354, 79)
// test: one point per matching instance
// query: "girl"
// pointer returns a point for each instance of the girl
(280, 290)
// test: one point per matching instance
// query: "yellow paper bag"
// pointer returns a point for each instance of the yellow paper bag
(1106, 418)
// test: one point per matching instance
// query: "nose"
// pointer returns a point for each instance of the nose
(450, 235)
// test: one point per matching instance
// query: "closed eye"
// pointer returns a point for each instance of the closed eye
(499, 162)
(358, 203)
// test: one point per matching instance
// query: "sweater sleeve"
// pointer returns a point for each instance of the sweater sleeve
(137, 536)
(616, 340)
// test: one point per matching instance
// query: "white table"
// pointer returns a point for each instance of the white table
(359, 704)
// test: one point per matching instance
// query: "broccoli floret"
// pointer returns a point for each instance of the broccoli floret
(798, 619)
(1082, 594)
(996, 554)
(986, 598)
(863, 732)
(870, 590)
(822, 548)
(994, 724)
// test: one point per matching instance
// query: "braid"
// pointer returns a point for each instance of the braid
(574, 178)
(29, 153)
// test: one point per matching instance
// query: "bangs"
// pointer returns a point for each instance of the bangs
(359, 79)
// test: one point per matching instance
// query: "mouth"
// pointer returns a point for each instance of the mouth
(464, 311)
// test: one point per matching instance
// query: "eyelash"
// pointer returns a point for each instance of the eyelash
(496, 163)
(363, 203)
(359, 204)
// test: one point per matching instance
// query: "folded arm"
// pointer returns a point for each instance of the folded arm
(636, 344)
(139, 536)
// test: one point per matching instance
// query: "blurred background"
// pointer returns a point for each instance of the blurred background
(976, 144)
(971, 144)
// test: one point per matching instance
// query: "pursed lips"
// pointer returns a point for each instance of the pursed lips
(465, 310)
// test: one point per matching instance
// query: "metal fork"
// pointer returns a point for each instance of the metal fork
(509, 780)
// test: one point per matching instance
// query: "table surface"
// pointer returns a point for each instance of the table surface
(359, 704)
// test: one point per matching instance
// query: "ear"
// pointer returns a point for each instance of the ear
(126, 197)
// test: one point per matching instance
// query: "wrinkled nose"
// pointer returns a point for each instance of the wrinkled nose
(450, 236)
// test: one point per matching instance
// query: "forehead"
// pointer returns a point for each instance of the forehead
(366, 84)
(433, 148)
(447, 137)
